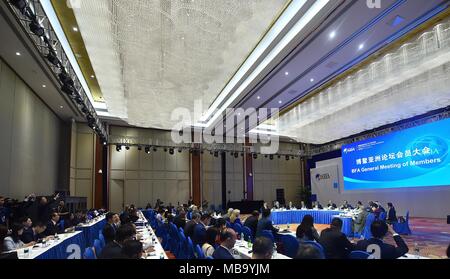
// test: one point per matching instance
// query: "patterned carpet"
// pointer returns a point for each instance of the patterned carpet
(431, 235)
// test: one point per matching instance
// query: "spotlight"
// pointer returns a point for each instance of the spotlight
(180, 150)
(265, 156)
(118, 147)
(279, 156)
(236, 155)
(287, 157)
(139, 147)
(211, 153)
(292, 157)
(255, 156)
(155, 149)
(231, 153)
(216, 154)
(19, 4)
(52, 58)
(147, 149)
(242, 154)
(271, 157)
(37, 29)
(171, 151)
(165, 149)
(127, 147)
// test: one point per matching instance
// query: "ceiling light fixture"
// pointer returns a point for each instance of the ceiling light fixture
(332, 34)
(361, 46)
(75, 29)
(18, 54)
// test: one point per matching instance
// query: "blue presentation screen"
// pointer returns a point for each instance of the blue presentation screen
(416, 157)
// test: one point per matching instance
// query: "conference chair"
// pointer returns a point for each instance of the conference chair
(403, 228)
(290, 244)
(317, 245)
(174, 239)
(189, 249)
(248, 235)
(237, 228)
(182, 245)
(97, 247)
(102, 239)
(199, 252)
(89, 254)
(367, 234)
(359, 255)
(268, 234)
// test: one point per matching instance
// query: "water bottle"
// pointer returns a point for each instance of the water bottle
(274, 255)
(249, 244)
(288, 226)
(161, 256)
(417, 250)
(242, 236)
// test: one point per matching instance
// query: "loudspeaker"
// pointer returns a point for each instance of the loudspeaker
(448, 219)
(280, 196)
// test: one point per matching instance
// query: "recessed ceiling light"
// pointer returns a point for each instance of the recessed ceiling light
(258, 97)
(75, 29)
(361, 46)
(280, 102)
(92, 76)
(18, 53)
(286, 73)
(182, 38)
(332, 34)
(311, 80)
(61, 107)
(43, 85)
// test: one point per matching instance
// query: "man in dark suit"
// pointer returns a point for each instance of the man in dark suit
(180, 219)
(331, 205)
(346, 205)
(335, 243)
(392, 215)
(379, 230)
(227, 241)
(113, 250)
(265, 223)
(189, 227)
(252, 222)
(35, 233)
(199, 236)
(46, 207)
(52, 225)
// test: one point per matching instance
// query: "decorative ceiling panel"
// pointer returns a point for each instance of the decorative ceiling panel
(151, 57)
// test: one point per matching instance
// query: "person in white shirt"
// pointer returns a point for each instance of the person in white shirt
(303, 205)
(208, 247)
(13, 241)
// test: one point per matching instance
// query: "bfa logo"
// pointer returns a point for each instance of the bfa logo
(374, 4)
(322, 176)
(348, 150)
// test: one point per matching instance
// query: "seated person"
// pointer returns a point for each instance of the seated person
(252, 222)
(359, 219)
(109, 233)
(200, 230)
(379, 230)
(220, 224)
(228, 215)
(290, 206)
(376, 210)
(306, 231)
(276, 205)
(13, 241)
(303, 205)
(346, 206)
(27, 225)
(111, 220)
(227, 241)
(190, 225)
(52, 225)
(309, 252)
(132, 249)
(180, 220)
(113, 250)
(380, 206)
(392, 215)
(234, 218)
(317, 205)
(331, 205)
(262, 249)
(208, 247)
(265, 223)
(35, 233)
(335, 243)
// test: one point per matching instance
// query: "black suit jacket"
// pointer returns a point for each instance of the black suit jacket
(252, 223)
(336, 244)
(189, 228)
(388, 251)
(222, 254)
(179, 222)
(392, 215)
(52, 229)
(112, 250)
(28, 236)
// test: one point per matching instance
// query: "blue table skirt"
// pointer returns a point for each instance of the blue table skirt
(70, 248)
(91, 232)
(320, 217)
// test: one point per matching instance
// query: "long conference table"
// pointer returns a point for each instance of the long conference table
(321, 216)
(91, 229)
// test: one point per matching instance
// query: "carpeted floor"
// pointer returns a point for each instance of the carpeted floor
(431, 235)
